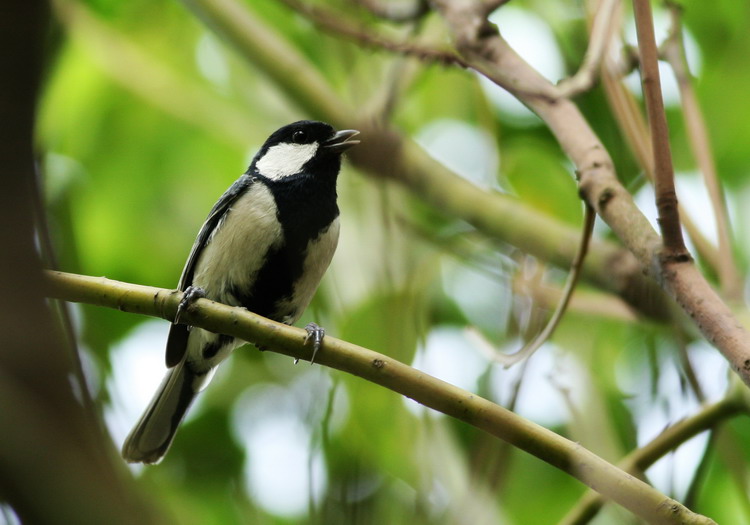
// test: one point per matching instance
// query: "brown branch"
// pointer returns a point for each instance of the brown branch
(666, 196)
(673, 50)
(627, 113)
(333, 23)
(599, 184)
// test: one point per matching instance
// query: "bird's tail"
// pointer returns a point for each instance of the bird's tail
(152, 436)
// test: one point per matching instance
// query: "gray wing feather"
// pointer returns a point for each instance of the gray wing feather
(178, 333)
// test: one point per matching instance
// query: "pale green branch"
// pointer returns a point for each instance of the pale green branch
(641, 459)
(633, 494)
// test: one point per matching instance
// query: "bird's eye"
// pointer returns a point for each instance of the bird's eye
(298, 136)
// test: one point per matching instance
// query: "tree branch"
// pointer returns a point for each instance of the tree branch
(534, 344)
(56, 465)
(673, 50)
(635, 495)
(666, 196)
(627, 113)
(672, 437)
(601, 34)
(333, 23)
(599, 184)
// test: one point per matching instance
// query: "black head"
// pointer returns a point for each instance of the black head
(303, 147)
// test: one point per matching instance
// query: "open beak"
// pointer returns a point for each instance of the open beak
(341, 141)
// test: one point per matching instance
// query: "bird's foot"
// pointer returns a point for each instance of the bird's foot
(315, 334)
(192, 294)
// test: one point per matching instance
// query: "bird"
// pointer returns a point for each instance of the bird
(265, 246)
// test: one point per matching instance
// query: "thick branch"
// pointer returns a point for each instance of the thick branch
(633, 494)
(56, 466)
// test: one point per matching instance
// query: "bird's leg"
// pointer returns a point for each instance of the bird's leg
(192, 294)
(315, 334)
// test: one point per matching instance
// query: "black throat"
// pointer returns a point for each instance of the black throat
(306, 208)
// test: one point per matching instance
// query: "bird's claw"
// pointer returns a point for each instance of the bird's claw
(315, 334)
(192, 294)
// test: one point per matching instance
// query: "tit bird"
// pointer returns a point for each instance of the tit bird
(264, 246)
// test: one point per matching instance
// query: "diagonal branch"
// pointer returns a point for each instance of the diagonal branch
(542, 337)
(333, 23)
(672, 437)
(635, 495)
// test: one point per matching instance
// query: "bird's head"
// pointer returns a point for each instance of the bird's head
(304, 146)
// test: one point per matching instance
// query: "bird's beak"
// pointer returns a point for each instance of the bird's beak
(341, 141)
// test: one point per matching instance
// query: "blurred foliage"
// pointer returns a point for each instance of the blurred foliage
(133, 162)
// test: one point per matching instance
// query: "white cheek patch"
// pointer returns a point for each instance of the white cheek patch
(285, 159)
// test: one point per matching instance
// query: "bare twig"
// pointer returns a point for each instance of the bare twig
(673, 49)
(666, 196)
(336, 24)
(532, 346)
(635, 495)
(602, 32)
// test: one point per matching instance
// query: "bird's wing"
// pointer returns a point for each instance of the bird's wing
(178, 333)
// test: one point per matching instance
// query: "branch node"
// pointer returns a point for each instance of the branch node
(604, 198)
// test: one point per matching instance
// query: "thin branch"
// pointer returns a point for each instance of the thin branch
(532, 346)
(602, 32)
(334, 23)
(666, 196)
(673, 49)
(627, 113)
(638, 497)
(672, 437)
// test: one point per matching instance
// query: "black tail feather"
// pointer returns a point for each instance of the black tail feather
(152, 436)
